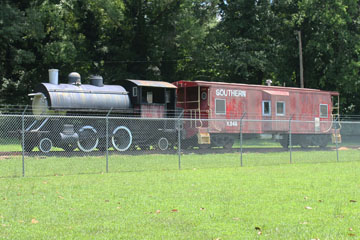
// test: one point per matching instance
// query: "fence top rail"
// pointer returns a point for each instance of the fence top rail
(171, 119)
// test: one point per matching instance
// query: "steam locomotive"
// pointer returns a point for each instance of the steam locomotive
(134, 99)
(213, 114)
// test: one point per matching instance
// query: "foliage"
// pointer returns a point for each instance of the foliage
(246, 41)
(330, 39)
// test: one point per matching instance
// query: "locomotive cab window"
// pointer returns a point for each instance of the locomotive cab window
(280, 108)
(323, 110)
(149, 97)
(134, 91)
(220, 106)
(266, 108)
(167, 96)
(153, 95)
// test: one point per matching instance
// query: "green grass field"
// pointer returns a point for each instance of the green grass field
(210, 198)
(53, 166)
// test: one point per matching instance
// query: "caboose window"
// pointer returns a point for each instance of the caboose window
(266, 108)
(220, 106)
(323, 110)
(280, 108)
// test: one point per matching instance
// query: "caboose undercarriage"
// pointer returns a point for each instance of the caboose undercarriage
(227, 140)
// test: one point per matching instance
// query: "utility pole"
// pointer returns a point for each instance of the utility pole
(301, 61)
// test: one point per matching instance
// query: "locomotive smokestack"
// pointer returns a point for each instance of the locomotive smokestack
(54, 76)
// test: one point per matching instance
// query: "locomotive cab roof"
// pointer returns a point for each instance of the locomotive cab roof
(147, 83)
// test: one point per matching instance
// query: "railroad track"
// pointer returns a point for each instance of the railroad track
(172, 152)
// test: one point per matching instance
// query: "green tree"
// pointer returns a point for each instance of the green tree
(240, 45)
(330, 39)
(165, 36)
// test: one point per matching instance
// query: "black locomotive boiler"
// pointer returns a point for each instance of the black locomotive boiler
(133, 99)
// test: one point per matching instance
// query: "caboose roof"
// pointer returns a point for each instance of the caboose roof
(184, 83)
(147, 83)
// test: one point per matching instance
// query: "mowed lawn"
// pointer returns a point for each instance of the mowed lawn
(283, 201)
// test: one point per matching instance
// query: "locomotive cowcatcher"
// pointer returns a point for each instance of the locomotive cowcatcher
(261, 110)
(133, 99)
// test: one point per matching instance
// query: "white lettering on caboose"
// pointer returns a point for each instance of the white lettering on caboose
(230, 93)
(231, 123)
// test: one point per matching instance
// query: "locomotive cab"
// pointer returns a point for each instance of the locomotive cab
(152, 99)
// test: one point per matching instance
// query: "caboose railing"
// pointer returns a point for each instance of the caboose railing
(195, 113)
(195, 116)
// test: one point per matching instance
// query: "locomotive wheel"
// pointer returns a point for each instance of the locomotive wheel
(122, 138)
(45, 145)
(163, 144)
(68, 148)
(88, 139)
(29, 146)
(102, 145)
(144, 147)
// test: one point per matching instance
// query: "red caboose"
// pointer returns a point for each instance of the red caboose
(264, 110)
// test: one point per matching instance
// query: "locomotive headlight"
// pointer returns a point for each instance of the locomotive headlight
(39, 104)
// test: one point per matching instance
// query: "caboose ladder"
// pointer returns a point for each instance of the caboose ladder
(336, 136)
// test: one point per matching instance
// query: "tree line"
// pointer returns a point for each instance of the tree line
(242, 41)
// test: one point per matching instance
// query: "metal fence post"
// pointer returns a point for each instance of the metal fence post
(179, 142)
(290, 139)
(23, 139)
(107, 140)
(336, 140)
(241, 139)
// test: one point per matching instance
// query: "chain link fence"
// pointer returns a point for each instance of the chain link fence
(65, 145)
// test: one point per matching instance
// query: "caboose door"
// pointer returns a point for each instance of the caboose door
(204, 104)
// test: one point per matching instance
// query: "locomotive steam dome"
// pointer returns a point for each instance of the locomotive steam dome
(74, 78)
(77, 97)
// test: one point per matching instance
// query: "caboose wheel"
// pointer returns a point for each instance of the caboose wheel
(45, 145)
(121, 139)
(284, 142)
(323, 141)
(163, 144)
(304, 145)
(88, 139)
(228, 142)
